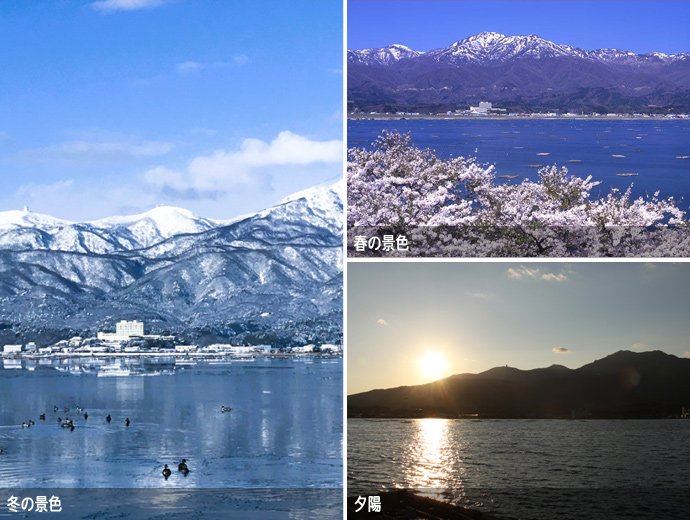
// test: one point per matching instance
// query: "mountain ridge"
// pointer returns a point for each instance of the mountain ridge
(493, 46)
(623, 384)
(256, 278)
(521, 73)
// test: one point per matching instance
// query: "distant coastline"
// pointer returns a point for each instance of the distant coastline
(658, 117)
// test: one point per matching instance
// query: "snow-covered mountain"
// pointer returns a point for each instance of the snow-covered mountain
(382, 56)
(267, 271)
(21, 230)
(489, 47)
(517, 73)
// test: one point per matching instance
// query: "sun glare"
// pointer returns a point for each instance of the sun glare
(433, 365)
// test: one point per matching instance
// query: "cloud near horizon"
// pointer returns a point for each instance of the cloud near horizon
(639, 345)
(381, 321)
(109, 6)
(223, 170)
(560, 350)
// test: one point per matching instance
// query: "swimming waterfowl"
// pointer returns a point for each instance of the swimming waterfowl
(166, 472)
(86, 415)
(31, 423)
(79, 409)
(59, 419)
(225, 409)
(182, 466)
(24, 425)
(42, 417)
(55, 408)
(108, 418)
(127, 422)
(2, 450)
(66, 409)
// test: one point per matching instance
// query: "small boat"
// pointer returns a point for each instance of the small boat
(535, 165)
(627, 174)
(507, 176)
(683, 157)
(574, 160)
(618, 156)
(544, 153)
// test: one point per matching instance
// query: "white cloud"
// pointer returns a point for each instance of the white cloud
(97, 149)
(480, 295)
(381, 321)
(639, 345)
(204, 131)
(4, 136)
(687, 354)
(560, 350)
(535, 273)
(224, 170)
(241, 59)
(107, 6)
(554, 277)
(188, 67)
(523, 272)
(31, 191)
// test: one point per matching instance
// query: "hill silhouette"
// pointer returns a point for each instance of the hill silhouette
(623, 385)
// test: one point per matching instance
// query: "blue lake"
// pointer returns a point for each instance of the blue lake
(648, 148)
(285, 429)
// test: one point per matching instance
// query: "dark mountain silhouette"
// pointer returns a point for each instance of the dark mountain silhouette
(624, 384)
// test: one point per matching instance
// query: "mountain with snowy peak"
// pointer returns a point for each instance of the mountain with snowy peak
(495, 47)
(273, 276)
(519, 71)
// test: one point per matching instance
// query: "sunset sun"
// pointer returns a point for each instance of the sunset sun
(433, 365)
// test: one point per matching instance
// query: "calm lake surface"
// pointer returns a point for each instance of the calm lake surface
(285, 429)
(529, 469)
(650, 148)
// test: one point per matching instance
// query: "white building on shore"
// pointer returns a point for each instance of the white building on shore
(12, 349)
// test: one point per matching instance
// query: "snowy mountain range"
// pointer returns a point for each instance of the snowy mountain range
(495, 47)
(260, 277)
(521, 72)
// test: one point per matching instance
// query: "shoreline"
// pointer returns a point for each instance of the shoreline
(386, 117)
(406, 505)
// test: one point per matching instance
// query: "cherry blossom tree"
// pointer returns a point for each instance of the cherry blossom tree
(456, 207)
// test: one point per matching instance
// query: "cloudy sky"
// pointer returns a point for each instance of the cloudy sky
(468, 317)
(115, 106)
(638, 26)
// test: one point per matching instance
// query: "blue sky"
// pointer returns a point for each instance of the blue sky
(631, 25)
(114, 106)
(526, 315)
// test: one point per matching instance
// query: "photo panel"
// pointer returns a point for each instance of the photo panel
(518, 129)
(502, 390)
(171, 259)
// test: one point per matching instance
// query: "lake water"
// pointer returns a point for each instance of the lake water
(529, 469)
(285, 429)
(649, 148)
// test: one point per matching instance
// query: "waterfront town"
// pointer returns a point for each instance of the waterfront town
(486, 109)
(129, 340)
